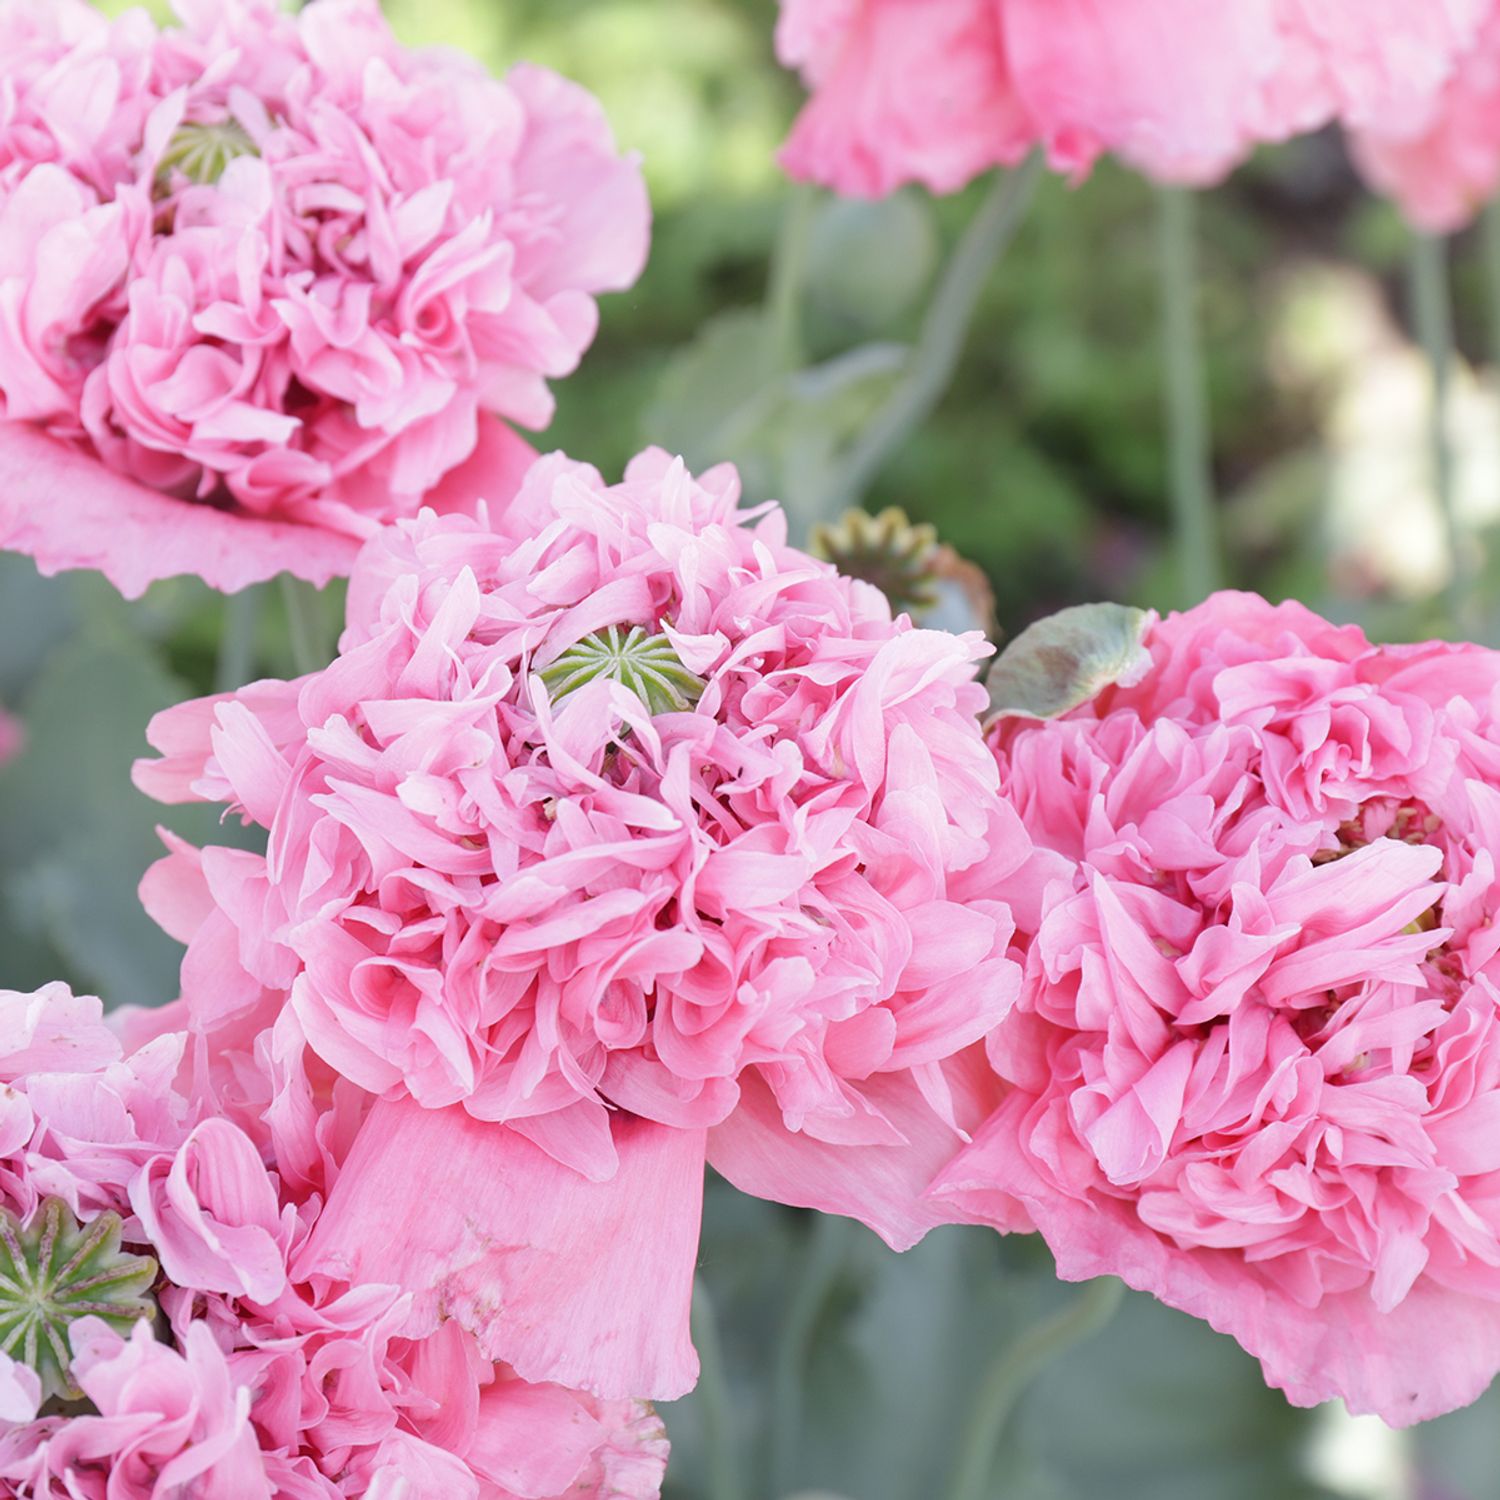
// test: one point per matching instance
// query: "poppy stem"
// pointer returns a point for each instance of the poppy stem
(788, 271)
(1189, 437)
(1012, 1374)
(1491, 242)
(304, 621)
(236, 661)
(826, 1251)
(1432, 313)
(725, 1475)
(934, 361)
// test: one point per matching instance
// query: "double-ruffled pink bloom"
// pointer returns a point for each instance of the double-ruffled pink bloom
(268, 281)
(939, 91)
(1255, 1065)
(569, 935)
(1443, 167)
(258, 1382)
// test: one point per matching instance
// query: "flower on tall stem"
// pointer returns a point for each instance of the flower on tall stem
(1255, 1065)
(269, 281)
(620, 834)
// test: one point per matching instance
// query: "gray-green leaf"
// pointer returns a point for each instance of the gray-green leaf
(1065, 660)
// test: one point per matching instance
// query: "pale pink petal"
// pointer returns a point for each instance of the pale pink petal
(66, 510)
(533, 1238)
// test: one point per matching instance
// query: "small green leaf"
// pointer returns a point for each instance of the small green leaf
(53, 1272)
(1070, 657)
(203, 152)
(636, 659)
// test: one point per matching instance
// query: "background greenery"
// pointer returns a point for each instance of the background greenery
(846, 1370)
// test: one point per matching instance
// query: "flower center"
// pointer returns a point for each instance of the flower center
(636, 659)
(201, 153)
(53, 1272)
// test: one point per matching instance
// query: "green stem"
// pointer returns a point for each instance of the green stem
(1012, 1373)
(724, 1473)
(788, 271)
(310, 652)
(1432, 311)
(830, 1242)
(1492, 277)
(236, 661)
(1189, 439)
(944, 332)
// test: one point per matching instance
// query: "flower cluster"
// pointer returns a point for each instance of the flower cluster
(1255, 1065)
(938, 91)
(278, 266)
(151, 1255)
(617, 818)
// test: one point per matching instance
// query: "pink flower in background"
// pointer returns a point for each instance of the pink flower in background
(1255, 1065)
(617, 824)
(12, 737)
(267, 282)
(939, 91)
(1444, 170)
(254, 1381)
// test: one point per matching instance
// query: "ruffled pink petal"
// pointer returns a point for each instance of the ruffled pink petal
(1444, 172)
(881, 1186)
(1166, 84)
(52, 1031)
(533, 1440)
(212, 1215)
(67, 510)
(1386, 1363)
(20, 1392)
(585, 1284)
(491, 475)
(903, 91)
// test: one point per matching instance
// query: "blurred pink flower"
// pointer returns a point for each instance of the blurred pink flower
(1255, 1066)
(257, 1382)
(1445, 168)
(268, 282)
(938, 91)
(761, 909)
(12, 737)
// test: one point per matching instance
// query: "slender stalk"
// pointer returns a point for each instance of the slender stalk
(1013, 1372)
(788, 271)
(1189, 437)
(725, 1476)
(829, 1247)
(1432, 310)
(944, 331)
(309, 649)
(236, 660)
(1491, 240)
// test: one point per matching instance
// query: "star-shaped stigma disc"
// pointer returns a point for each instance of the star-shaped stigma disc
(54, 1271)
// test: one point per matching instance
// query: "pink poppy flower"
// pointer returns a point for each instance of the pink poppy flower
(620, 824)
(12, 737)
(268, 282)
(1255, 1064)
(1446, 167)
(245, 1379)
(939, 91)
